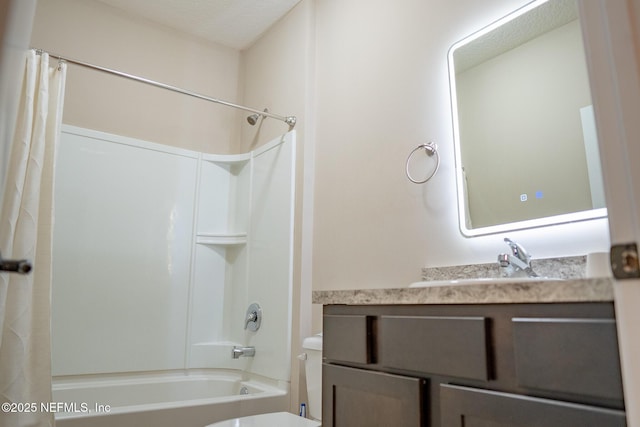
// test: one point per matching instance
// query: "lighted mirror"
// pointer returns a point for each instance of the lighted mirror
(525, 136)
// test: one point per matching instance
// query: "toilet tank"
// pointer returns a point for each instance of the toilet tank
(313, 368)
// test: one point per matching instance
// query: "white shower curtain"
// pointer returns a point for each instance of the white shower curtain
(26, 232)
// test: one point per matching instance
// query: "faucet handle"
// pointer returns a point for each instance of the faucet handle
(253, 318)
(518, 262)
(517, 250)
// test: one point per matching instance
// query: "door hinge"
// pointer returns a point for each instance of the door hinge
(624, 261)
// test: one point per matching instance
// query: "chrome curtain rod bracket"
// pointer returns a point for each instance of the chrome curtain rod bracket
(289, 120)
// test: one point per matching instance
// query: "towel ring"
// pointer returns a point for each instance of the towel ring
(431, 148)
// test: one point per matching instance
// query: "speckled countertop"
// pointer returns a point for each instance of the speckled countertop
(571, 290)
(573, 287)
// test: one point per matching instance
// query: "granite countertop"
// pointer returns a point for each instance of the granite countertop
(549, 291)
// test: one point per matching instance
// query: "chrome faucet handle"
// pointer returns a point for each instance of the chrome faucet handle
(506, 260)
(516, 263)
(253, 318)
(517, 250)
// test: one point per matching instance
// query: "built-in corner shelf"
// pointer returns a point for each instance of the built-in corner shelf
(223, 199)
(226, 239)
(227, 158)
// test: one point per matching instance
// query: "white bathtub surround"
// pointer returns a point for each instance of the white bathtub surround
(26, 233)
(174, 398)
(122, 245)
(159, 251)
(252, 243)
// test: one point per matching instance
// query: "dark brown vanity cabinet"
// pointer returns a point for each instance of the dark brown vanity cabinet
(485, 365)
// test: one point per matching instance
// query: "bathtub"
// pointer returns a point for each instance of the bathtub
(168, 399)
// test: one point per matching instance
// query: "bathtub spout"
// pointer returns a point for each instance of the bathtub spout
(243, 351)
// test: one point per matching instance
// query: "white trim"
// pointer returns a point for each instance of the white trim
(590, 215)
(613, 59)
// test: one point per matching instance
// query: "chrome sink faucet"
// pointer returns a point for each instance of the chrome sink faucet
(517, 263)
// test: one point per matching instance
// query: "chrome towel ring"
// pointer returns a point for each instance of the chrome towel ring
(431, 148)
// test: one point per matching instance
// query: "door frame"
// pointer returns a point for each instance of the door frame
(611, 31)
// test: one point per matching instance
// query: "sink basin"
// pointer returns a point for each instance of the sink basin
(479, 281)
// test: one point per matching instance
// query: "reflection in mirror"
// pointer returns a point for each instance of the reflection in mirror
(526, 145)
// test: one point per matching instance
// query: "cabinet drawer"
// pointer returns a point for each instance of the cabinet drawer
(356, 397)
(452, 346)
(568, 355)
(348, 338)
(469, 407)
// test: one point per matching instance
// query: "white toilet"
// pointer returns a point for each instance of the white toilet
(313, 368)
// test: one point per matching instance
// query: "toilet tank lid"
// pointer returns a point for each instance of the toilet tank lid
(313, 343)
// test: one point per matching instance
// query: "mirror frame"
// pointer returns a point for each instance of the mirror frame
(461, 203)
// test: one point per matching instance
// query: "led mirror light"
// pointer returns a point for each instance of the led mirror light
(543, 200)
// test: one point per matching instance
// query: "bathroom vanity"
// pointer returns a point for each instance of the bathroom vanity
(483, 355)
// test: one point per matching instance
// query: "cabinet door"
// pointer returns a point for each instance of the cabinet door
(468, 407)
(358, 398)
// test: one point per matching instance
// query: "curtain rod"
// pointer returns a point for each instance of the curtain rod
(290, 120)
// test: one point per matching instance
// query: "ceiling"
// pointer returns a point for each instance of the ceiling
(233, 23)
(512, 31)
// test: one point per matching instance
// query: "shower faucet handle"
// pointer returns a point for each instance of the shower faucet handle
(253, 318)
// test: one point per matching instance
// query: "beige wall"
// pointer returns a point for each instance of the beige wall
(95, 33)
(275, 75)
